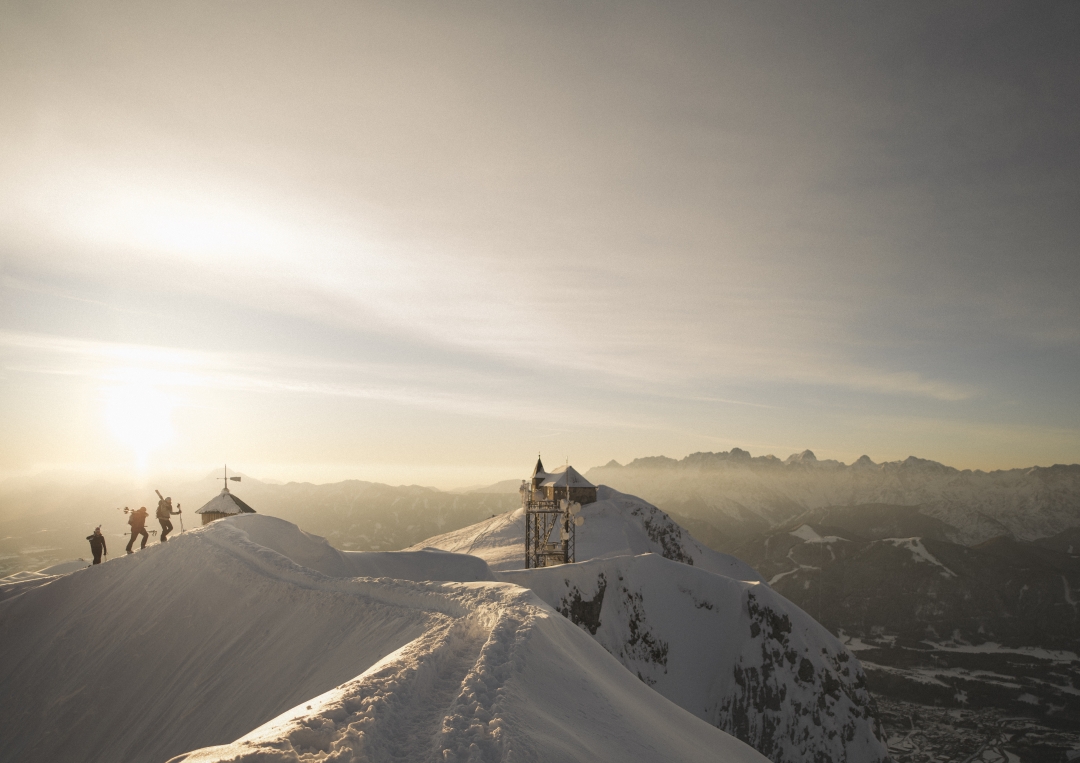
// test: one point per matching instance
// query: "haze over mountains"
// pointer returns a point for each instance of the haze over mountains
(958, 588)
(45, 519)
(731, 495)
(983, 630)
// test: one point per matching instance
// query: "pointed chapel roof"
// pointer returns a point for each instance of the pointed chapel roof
(563, 475)
(225, 503)
(539, 470)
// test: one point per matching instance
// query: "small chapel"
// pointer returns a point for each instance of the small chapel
(225, 504)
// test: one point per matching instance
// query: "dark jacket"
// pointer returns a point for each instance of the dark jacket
(164, 509)
(97, 543)
(137, 520)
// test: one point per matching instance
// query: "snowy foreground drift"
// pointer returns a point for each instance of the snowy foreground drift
(215, 636)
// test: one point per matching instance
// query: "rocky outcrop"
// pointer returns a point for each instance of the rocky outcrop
(734, 653)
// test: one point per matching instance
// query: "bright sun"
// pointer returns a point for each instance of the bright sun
(140, 417)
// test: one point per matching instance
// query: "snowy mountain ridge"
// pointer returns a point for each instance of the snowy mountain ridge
(278, 647)
(615, 525)
(734, 653)
(698, 626)
(231, 650)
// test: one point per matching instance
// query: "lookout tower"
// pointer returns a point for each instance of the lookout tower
(552, 502)
(224, 504)
(566, 483)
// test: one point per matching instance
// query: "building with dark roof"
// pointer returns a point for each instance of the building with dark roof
(563, 482)
(225, 504)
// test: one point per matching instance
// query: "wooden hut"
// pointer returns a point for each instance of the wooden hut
(563, 482)
(225, 504)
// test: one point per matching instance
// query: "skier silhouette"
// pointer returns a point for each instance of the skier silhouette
(137, 520)
(97, 544)
(164, 511)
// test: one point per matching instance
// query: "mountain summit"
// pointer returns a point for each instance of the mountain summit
(255, 641)
(698, 626)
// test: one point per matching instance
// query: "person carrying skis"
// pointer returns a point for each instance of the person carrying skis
(164, 511)
(97, 544)
(137, 520)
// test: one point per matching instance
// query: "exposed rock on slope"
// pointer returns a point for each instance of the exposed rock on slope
(734, 653)
(698, 626)
(993, 627)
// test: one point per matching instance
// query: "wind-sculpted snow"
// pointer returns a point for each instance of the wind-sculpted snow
(510, 682)
(208, 641)
(616, 525)
(734, 653)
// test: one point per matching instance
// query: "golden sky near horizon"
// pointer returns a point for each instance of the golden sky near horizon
(412, 242)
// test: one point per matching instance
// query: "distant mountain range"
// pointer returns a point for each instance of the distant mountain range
(958, 590)
(727, 498)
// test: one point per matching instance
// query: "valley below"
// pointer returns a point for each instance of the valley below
(956, 590)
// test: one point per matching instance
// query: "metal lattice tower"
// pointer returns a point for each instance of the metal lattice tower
(543, 516)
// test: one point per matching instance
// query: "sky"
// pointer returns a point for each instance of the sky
(421, 242)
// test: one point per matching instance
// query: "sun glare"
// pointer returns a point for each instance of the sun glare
(140, 417)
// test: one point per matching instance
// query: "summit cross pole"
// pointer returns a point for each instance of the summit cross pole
(227, 478)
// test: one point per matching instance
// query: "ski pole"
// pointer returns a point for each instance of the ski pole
(180, 513)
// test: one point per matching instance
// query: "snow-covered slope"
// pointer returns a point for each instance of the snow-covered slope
(46, 518)
(698, 626)
(221, 638)
(316, 553)
(21, 582)
(428, 564)
(736, 492)
(616, 525)
(734, 653)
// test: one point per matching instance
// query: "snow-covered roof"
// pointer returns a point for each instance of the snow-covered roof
(225, 503)
(563, 474)
(539, 470)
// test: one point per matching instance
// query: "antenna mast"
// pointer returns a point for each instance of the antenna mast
(226, 478)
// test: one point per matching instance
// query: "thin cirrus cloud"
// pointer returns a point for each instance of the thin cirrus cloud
(457, 391)
(631, 329)
(697, 222)
(560, 317)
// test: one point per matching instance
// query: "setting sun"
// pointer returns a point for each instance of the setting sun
(140, 417)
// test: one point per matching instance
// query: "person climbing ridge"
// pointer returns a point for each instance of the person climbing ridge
(164, 511)
(97, 544)
(137, 520)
